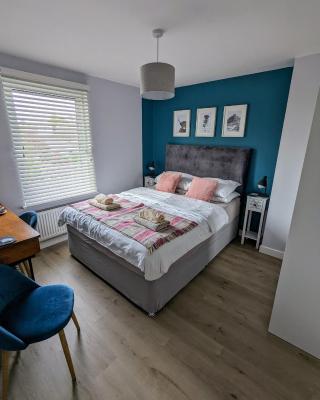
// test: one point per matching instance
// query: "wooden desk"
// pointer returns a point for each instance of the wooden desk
(27, 239)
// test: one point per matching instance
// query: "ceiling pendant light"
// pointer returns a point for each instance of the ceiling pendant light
(157, 78)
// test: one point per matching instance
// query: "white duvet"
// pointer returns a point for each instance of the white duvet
(209, 217)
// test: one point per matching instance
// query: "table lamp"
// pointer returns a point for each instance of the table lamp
(263, 184)
(151, 167)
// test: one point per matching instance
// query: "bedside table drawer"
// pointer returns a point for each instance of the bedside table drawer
(255, 204)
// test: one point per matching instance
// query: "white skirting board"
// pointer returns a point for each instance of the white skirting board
(271, 252)
(268, 250)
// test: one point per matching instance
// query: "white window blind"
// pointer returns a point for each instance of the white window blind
(52, 140)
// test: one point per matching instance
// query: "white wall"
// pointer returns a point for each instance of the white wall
(295, 134)
(115, 111)
(296, 311)
(116, 123)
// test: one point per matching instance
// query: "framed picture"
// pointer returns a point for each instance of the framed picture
(181, 123)
(234, 120)
(206, 122)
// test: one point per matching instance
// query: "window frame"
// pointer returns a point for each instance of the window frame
(63, 84)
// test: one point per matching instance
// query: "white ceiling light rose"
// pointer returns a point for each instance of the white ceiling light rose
(157, 78)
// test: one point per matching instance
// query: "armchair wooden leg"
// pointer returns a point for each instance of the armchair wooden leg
(5, 373)
(31, 269)
(23, 269)
(26, 267)
(67, 354)
(75, 321)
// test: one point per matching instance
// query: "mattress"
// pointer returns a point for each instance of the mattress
(232, 208)
(209, 217)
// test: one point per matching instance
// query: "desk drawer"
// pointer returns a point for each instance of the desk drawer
(19, 251)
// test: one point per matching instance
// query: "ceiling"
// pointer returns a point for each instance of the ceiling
(205, 39)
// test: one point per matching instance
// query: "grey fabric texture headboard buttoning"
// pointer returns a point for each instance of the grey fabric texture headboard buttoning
(210, 161)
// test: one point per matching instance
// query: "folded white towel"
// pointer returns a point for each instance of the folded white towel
(152, 215)
(105, 207)
(151, 225)
(103, 199)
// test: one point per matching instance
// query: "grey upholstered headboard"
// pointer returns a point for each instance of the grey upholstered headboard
(217, 162)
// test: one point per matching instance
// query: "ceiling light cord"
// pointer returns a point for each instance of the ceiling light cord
(157, 49)
(157, 34)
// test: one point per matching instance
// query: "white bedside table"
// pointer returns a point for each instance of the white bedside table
(259, 205)
(149, 181)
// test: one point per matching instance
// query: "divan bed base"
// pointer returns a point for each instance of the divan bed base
(151, 296)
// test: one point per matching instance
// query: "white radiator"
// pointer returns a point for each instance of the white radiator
(48, 224)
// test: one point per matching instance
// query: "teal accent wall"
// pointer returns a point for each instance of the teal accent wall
(147, 133)
(266, 94)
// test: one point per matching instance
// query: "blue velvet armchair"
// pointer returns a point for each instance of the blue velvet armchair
(30, 218)
(31, 313)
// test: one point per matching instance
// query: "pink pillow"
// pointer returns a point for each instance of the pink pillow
(168, 182)
(202, 189)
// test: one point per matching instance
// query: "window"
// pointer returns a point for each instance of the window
(51, 138)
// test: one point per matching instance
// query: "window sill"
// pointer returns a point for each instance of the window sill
(59, 203)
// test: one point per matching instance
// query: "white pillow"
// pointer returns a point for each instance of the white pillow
(230, 197)
(184, 182)
(225, 187)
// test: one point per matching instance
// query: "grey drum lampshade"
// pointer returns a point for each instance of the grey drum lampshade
(157, 81)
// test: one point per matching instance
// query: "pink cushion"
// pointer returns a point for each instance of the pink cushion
(202, 189)
(168, 182)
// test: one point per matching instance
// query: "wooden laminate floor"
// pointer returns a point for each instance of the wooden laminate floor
(209, 342)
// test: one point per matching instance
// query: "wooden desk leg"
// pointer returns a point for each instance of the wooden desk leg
(31, 269)
(5, 373)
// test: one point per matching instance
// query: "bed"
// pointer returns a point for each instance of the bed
(151, 280)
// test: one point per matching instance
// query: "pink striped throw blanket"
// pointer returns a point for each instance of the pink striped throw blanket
(99, 214)
(123, 221)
